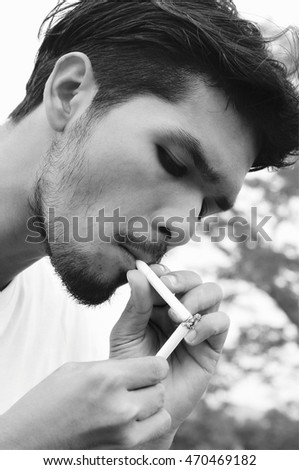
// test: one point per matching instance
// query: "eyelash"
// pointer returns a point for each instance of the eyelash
(170, 164)
(177, 169)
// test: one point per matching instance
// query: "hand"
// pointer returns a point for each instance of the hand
(97, 405)
(145, 325)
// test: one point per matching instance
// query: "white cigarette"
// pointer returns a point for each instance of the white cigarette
(182, 314)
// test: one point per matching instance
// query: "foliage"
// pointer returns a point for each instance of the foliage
(216, 429)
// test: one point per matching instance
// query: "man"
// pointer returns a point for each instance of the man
(134, 109)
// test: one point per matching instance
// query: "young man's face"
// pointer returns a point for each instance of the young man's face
(132, 167)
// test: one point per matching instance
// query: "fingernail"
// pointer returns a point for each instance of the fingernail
(173, 316)
(170, 278)
(131, 284)
(190, 337)
(162, 268)
(129, 275)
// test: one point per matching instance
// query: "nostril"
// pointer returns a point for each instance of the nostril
(165, 232)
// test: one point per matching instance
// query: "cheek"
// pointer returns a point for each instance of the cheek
(123, 178)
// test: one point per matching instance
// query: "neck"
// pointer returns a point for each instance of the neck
(22, 146)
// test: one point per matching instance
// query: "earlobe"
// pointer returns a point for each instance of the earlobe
(69, 89)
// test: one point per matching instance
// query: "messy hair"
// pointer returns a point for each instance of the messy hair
(159, 47)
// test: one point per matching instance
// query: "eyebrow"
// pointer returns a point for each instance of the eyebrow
(192, 145)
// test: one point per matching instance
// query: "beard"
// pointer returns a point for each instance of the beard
(86, 285)
(86, 271)
(86, 276)
(81, 272)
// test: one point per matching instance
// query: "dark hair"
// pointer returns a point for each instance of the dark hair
(158, 46)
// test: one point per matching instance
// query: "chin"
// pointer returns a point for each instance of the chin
(91, 293)
(90, 279)
(86, 289)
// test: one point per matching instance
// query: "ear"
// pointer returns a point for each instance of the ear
(69, 89)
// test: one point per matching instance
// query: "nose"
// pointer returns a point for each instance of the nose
(178, 223)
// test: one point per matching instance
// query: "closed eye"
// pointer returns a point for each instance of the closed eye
(170, 163)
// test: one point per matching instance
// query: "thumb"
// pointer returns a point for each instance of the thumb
(135, 317)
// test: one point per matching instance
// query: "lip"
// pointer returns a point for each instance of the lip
(136, 254)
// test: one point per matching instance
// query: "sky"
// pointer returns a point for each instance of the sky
(20, 20)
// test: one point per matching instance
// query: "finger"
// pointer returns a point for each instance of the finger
(212, 327)
(142, 372)
(152, 428)
(137, 312)
(159, 269)
(180, 282)
(149, 400)
(203, 298)
(177, 282)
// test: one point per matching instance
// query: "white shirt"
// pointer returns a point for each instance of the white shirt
(42, 327)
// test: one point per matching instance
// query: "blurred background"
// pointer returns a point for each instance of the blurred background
(252, 402)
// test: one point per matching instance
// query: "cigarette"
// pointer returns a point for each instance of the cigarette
(185, 317)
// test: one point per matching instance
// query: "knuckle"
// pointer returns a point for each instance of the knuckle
(126, 412)
(184, 278)
(155, 371)
(166, 421)
(102, 378)
(97, 374)
(127, 439)
(112, 372)
(130, 307)
(160, 391)
(196, 277)
(216, 290)
(159, 368)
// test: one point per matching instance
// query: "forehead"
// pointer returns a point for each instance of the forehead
(226, 138)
